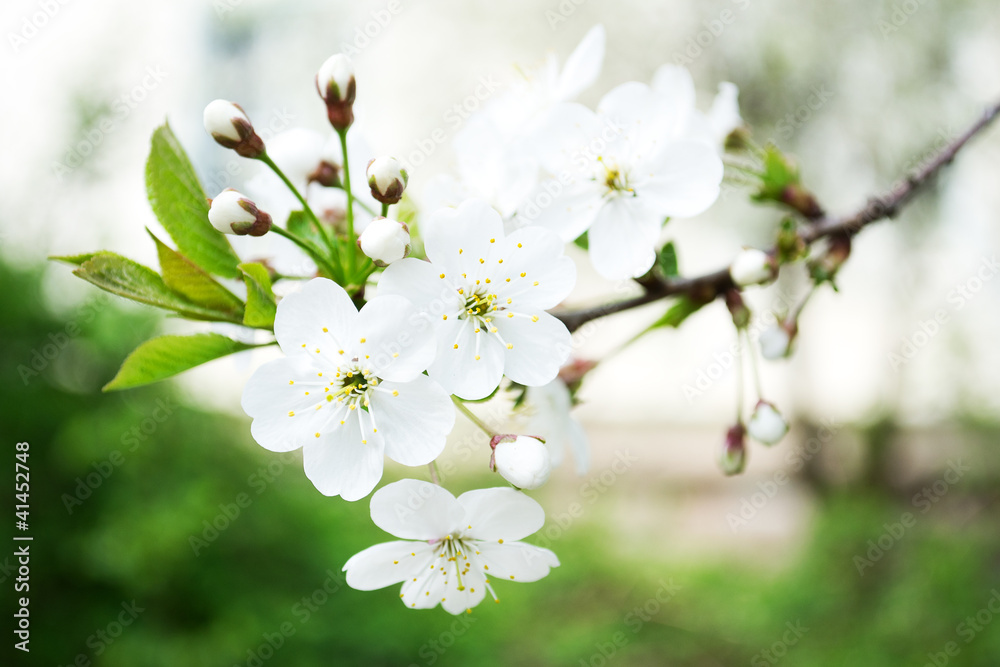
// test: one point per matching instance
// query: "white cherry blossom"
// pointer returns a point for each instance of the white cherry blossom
(547, 415)
(350, 389)
(451, 550)
(487, 293)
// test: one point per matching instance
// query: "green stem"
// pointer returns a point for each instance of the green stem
(351, 254)
(739, 376)
(472, 417)
(330, 240)
(309, 248)
(385, 210)
(752, 351)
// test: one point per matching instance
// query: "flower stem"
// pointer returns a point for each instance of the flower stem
(385, 210)
(472, 417)
(752, 351)
(329, 239)
(309, 248)
(433, 468)
(739, 376)
(350, 204)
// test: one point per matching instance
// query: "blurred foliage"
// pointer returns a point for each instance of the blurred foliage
(158, 470)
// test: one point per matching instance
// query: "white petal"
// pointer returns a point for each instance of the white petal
(683, 180)
(582, 67)
(272, 392)
(416, 422)
(623, 239)
(416, 510)
(421, 284)
(339, 463)
(474, 590)
(425, 589)
(500, 514)
(517, 561)
(399, 342)
(386, 564)
(636, 122)
(564, 133)
(566, 207)
(458, 238)
(320, 315)
(675, 85)
(539, 348)
(458, 370)
(538, 253)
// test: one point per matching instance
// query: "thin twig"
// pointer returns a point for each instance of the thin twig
(710, 286)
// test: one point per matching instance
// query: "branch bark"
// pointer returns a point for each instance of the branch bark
(712, 285)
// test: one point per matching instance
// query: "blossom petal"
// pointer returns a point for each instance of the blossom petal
(319, 316)
(623, 239)
(414, 423)
(399, 340)
(582, 67)
(283, 416)
(456, 367)
(684, 179)
(386, 564)
(345, 462)
(426, 589)
(457, 601)
(457, 238)
(517, 561)
(540, 345)
(500, 513)
(416, 510)
(421, 284)
(549, 275)
(566, 207)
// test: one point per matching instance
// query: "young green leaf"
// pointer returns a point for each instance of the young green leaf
(179, 203)
(166, 356)
(73, 259)
(683, 308)
(187, 279)
(300, 225)
(261, 304)
(120, 275)
(666, 260)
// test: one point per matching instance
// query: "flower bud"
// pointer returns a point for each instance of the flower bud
(326, 174)
(752, 267)
(737, 308)
(232, 213)
(776, 342)
(385, 241)
(766, 424)
(336, 85)
(523, 460)
(229, 126)
(387, 179)
(733, 458)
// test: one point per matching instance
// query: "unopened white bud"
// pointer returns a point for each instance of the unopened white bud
(387, 178)
(229, 126)
(774, 342)
(766, 424)
(752, 267)
(336, 85)
(522, 460)
(385, 241)
(232, 213)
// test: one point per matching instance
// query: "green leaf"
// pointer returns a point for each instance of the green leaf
(666, 259)
(189, 280)
(683, 308)
(163, 357)
(179, 203)
(120, 275)
(261, 304)
(583, 241)
(73, 259)
(300, 225)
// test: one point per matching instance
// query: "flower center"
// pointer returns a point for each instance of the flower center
(614, 178)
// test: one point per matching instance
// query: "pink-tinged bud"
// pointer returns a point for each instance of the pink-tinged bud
(385, 241)
(733, 459)
(326, 174)
(766, 425)
(229, 125)
(522, 460)
(572, 373)
(232, 213)
(387, 178)
(336, 85)
(752, 267)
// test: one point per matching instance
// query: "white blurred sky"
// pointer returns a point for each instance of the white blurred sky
(894, 96)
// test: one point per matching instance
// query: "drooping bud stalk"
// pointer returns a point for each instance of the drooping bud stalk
(326, 174)
(387, 178)
(385, 241)
(737, 308)
(753, 267)
(229, 125)
(766, 424)
(232, 213)
(776, 342)
(336, 85)
(733, 458)
(826, 266)
(522, 460)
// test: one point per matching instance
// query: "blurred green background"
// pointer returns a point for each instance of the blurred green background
(265, 587)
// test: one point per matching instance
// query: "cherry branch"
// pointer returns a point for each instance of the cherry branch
(710, 286)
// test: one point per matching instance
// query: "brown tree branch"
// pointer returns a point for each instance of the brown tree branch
(710, 286)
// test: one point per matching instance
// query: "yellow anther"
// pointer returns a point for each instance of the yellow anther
(444, 317)
(510, 346)
(518, 245)
(317, 435)
(493, 240)
(482, 261)
(325, 330)
(455, 346)
(534, 318)
(523, 274)
(460, 251)
(317, 350)
(510, 315)
(499, 261)
(291, 413)
(395, 392)
(535, 283)
(477, 357)
(510, 300)
(441, 276)
(500, 540)
(363, 340)
(291, 382)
